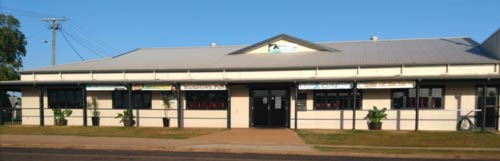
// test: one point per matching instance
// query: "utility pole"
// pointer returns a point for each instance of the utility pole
(54, 26)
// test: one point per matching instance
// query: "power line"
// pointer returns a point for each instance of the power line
(85, 40)
(78, 41)
(38, 14)
(70, 45)
(35, 33)
(99, 41)
(81, 33)
(21, 14)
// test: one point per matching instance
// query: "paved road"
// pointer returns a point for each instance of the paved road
(32, 154)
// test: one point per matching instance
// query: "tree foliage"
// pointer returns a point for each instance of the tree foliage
(12, 50)
(12, 47)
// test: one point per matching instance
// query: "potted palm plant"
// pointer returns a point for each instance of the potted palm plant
(95, 111)
(375, 117)
(60, 116)
(124, 117)
(168, 100)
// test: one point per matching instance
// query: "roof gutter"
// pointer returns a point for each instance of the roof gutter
(80, 82)
(247, 68)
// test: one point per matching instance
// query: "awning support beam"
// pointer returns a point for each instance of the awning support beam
(130, 104)
(417, 103)
(84, 104)
(296, 106)
(180, 112)
(228, 107)
(483, 108)
(1, 110)
(40, 97)
(354, 93)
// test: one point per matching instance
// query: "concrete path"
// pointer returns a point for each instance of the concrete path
(253, 136)
(272, 141)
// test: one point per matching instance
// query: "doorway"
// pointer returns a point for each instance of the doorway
(269, 107)
(491, 106)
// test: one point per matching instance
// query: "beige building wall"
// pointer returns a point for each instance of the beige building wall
(149, 117)
(459, 99)
(240, 110)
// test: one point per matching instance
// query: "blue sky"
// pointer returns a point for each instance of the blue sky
(124, 25)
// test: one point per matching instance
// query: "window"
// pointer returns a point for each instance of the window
(65, 98)
(301, 101)
(336, 99)
(141, 99)
(430, 98)
(206, 100)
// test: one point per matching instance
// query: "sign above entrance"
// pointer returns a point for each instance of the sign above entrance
(152, 87)
(319, 86)
(203, 87)
(386, 84)
(282, 48)
(90, 87)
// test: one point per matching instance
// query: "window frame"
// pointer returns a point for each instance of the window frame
(124, 99)
(206, 94)
(337, 91)
(301, 94)
(429, 97)
(78, 97)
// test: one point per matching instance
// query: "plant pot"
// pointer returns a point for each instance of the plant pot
(126, 123)
(166, 122)
(375, 126)
(63, 122)
(95, 121)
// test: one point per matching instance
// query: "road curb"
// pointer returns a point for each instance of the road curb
(236, 151)
(485, 149)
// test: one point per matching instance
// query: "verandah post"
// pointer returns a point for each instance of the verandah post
(417, 104)
(398, 120)
(40, 97)
(137, 116)
(228, 107)
(296, 107)
(180, 117)
(84, 104)
(483, 108)
(341, 119)
(354, 93)
(1, 110)
(130, 104)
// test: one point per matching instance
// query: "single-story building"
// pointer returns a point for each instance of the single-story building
(283, 82)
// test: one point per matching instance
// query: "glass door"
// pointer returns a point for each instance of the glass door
(278, 108)
(491, 104)
(269, 108)
(260, 107)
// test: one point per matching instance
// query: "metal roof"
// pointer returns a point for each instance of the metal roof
(350, 54)
(491, 44)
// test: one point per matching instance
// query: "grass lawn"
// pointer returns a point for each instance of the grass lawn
(143, 132)
(401, 138)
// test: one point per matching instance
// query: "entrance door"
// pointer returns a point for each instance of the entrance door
(269, 107)
(491, 104)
